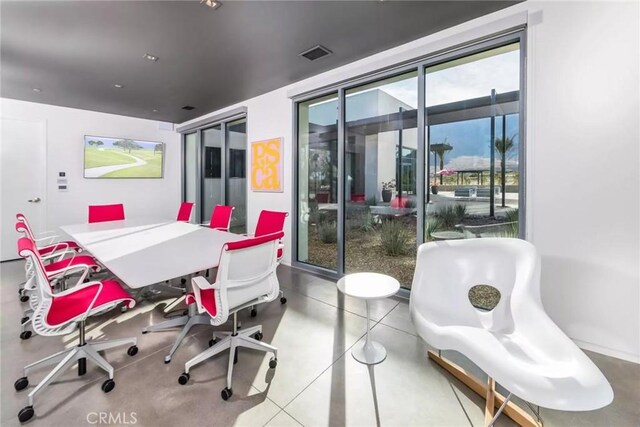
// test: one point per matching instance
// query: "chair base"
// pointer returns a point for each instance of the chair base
(493, 398)
(67, 358)
(187, 322)
(231, 341)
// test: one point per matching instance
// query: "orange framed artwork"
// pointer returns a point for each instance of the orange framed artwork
(267, 166)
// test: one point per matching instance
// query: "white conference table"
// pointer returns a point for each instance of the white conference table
(143, 252)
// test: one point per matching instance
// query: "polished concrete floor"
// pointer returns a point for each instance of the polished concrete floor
(316, 383)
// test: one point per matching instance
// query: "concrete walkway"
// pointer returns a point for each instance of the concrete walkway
(103, 170)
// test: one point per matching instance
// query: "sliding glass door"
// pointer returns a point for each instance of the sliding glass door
(472, 127)
(431, 151)
(317, 183)
(215, 170)
(380, 181)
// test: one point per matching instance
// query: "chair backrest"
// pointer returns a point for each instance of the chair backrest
(184, 214)
(221, 217)
(246, 274)
(26, 228)
(270, 222)
(103, 213)
(43, 292)
(447, 270)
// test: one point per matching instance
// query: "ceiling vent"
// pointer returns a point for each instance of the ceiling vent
(188, 107)
(316, 52)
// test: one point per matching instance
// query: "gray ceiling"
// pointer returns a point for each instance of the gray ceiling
(75, 51)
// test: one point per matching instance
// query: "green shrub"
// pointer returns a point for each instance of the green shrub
(512, 216)
(328, 232)
(371, 201)
(432, 225)
(395, 238)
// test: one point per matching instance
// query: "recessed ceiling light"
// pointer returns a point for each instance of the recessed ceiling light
(118, 85)
(150, 57)
(154, 110)
(37, 89)
(213, 4)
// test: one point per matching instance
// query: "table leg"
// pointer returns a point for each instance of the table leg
(370, 352)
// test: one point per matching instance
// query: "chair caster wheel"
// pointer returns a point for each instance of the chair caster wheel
(212, 342)
(24, 298)
(283, 300)
(185, 313)
(25, 335)
(184, 378)
(133, 350)
(24, 320)
(21, 383)
(26, 414)
(108, 385)
(183, 281)
(226, 393)
(254, 312)
(145, 332)
(124, 309)
(258, 336)
(273, 362)
(167, 360)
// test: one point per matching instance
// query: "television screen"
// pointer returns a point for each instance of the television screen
(122, 158)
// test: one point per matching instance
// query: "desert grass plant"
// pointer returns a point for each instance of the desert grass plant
(368, 222)
(371, 201)
(328, 232)
(512, 216)
(461, 211)
(395, 238)
(410, 204)
(431, 226)
(447, 216)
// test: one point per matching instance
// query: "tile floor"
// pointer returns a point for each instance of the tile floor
(316, 383)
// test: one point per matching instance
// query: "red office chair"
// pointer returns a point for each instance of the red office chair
(61, 314)
(103, 213)
(239, 284)
(184, 214)
(221, 217)
(270, 222)
(46, 242)
(56, 273)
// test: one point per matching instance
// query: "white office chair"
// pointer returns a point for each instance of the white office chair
(516, 343)
(246, 276)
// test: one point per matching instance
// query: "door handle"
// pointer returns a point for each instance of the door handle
(36, 200)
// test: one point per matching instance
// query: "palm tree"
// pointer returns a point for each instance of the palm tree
(503, 146)
(440, 150)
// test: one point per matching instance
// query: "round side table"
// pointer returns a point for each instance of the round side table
(368, 286)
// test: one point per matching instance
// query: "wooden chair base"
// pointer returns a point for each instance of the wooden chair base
(493, 398)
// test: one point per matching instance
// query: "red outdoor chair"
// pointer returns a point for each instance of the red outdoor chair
(62, 313)
(184, 214)
(104, 213)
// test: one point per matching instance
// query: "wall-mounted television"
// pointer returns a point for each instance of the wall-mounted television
(122, 158)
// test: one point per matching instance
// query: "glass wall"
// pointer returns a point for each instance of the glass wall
(472, 129)
(380, 177)
(212, 170)
(191, 169)
(318, 181)
(237, 174)
(432, 152)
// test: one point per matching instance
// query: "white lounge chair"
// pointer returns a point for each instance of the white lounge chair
(516, 344)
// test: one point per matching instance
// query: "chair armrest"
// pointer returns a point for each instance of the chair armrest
(200, 284)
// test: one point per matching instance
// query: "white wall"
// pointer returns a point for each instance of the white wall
(582, 120)
(65, 128)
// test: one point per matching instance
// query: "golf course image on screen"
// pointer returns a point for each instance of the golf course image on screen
(122, 158)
